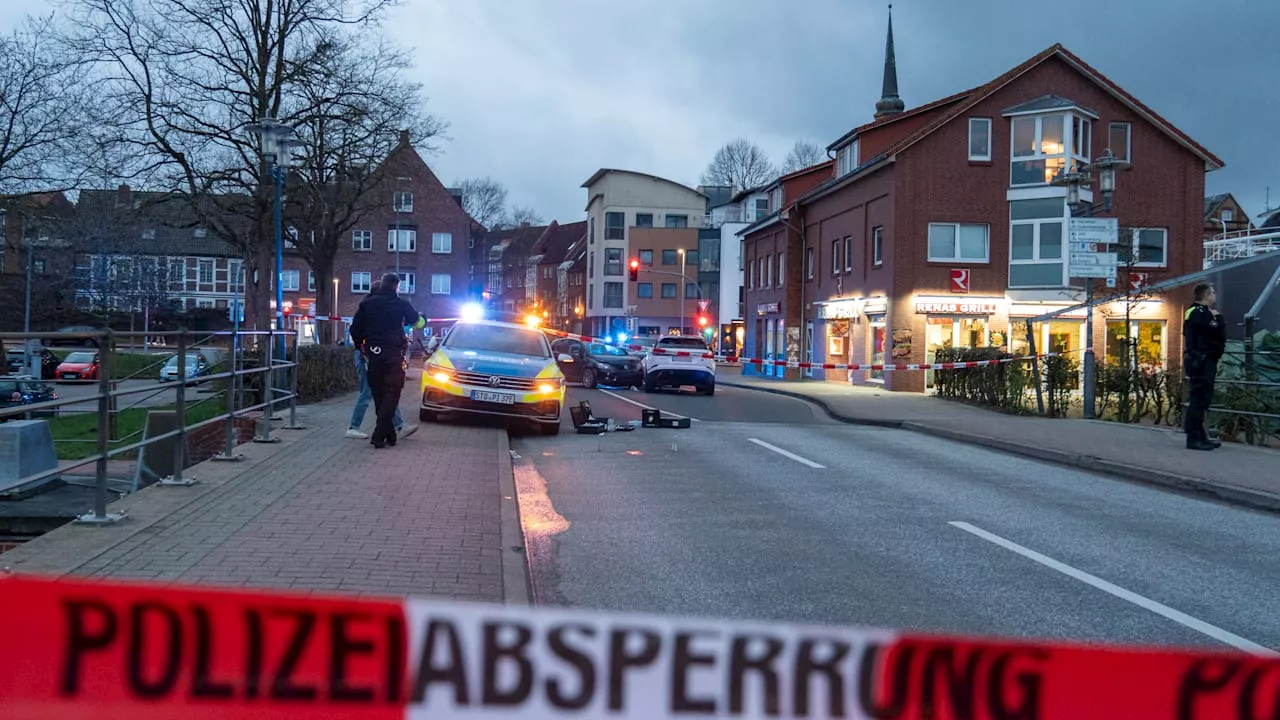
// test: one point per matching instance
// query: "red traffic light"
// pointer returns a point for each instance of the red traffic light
(702, 321)
(634, 269)
(635, 264)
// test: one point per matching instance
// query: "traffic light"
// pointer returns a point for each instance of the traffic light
(702, 321)
(635, 269)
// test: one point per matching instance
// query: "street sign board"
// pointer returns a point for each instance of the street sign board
(1087, 240)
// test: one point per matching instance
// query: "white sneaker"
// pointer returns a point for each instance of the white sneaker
(354, 433)
(406, 430)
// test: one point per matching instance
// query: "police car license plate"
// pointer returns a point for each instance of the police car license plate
(493, 397)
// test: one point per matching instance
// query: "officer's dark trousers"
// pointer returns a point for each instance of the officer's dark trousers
(1200, 375)
(386, 380)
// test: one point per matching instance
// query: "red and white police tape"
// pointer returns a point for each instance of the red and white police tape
(89, 650)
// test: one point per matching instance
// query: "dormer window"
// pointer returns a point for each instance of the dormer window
(1049, 135)
(847, 159)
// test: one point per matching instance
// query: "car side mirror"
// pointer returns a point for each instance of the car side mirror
(564, 358)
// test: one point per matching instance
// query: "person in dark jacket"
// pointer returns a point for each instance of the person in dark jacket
(378, 330)
(1204, 337)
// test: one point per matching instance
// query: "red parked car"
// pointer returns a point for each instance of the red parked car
(78, 366)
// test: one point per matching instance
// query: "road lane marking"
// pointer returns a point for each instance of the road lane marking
(642, 405)
(787, 453)
(1161, 609)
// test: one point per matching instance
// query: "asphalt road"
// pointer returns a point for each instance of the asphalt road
(766, 509)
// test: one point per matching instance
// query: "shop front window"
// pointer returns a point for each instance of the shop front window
(1143, 343)
(943, 331)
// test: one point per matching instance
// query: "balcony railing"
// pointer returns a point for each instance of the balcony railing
(1239, 244)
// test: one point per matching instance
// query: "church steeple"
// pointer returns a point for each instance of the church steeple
(889, 103)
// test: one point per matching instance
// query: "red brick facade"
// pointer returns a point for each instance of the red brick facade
(925, 176)
(434, 215)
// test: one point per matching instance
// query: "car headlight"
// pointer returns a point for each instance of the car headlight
(550, 385)
(439, 374)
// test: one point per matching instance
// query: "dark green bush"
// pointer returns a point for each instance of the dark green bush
(1003, 385)
(325, 371)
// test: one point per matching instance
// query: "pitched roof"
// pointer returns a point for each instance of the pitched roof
(1057, 50)
(152, 223)
(962, 102)
(1212, 202)
(909, 113)
(557, 240)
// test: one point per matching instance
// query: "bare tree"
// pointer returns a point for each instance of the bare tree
(485, 200)
(184, 78)
(363, 115)
(43, 128)
(740, 164)
(521, 214)
(802, 155)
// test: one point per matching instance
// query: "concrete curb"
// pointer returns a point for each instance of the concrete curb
(516, 582)
(872, 422)
(1182, 483)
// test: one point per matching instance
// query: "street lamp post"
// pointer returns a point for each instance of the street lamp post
(277, 146)
(683, 291)
(333, 312)
(1105, 166)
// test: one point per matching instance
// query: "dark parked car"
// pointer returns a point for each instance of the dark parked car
(16, 362)
(598, 364)
(71, 329)
(16, 390)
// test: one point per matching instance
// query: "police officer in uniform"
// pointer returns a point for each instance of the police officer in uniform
(378, 330)
(1204, 336)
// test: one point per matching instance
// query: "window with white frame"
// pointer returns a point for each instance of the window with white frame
(782, 269)
(205, 272)
(1120, 140)
(768, 271)
(1039, 148)
(1228, 215)
(808, 263)
(362, 240)
(677, 221)
(311, 281)
(877, 246)
(775, 199)
(959, 242)
(289, 280)
(614, 226)
(1081, 139)
(291, 237)
(408, 240)
(612, 262)
(1036, 252)
(848, 253)
(762, 208)
(441, 283)
(441, 243)
(1142, 247)
(408, 283)
(980, 138)
(402, 201)
(847, 158)
(835, 256)
(360, 282)
(751, 274)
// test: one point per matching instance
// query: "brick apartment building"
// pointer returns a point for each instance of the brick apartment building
(436, 240)
(545, 274)
(509, 269)
(939, 226)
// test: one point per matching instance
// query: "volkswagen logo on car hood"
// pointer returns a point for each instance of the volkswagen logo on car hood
(494, 381)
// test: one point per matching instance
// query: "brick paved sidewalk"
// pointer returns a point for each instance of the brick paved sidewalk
(1236, 473)
(320, 512)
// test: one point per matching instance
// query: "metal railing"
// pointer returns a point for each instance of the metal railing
(279, 385)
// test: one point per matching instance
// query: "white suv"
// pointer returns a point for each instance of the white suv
(676, 361)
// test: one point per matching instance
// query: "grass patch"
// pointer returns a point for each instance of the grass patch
(76, 436)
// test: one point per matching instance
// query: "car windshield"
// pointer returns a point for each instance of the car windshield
(33, 386)
(495, 338)
(80, 357)
(191, 360)
(602, 349)
(683, 343)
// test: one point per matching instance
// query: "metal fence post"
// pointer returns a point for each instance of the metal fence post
(100, 516)
(268, 395)
(293, 385)
(229, 452)
(180, 410)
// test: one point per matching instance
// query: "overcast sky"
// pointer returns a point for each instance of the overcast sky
(541, 93)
